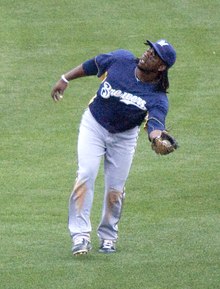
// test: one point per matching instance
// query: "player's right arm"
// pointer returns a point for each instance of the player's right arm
(87, 68)
(94, 66)
(62, 83)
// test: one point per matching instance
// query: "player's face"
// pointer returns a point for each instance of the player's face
(150, 61)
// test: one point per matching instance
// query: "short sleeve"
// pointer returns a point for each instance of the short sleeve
(103, 62)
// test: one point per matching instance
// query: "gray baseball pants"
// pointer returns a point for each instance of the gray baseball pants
(95, 142)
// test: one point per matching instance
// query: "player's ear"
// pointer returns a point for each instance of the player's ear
(162, 67)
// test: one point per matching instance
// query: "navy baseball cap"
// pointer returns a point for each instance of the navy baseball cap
(165, 51)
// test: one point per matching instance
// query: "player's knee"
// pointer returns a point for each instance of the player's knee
(114, 197)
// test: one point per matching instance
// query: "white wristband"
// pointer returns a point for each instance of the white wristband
(64, 78)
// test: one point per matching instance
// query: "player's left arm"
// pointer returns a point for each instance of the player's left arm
(161, 141)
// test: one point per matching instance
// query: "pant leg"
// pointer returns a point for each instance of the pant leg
(91, 148)
(117, 164)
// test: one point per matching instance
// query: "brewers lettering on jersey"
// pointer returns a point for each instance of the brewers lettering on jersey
(132, 90)
(125, 97)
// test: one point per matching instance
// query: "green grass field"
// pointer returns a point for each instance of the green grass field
(170, 229)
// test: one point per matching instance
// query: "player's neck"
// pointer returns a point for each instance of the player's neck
(146, 76)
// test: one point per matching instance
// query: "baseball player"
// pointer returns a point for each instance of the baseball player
(132, 90)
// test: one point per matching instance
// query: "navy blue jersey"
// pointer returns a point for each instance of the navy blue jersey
(122, 101)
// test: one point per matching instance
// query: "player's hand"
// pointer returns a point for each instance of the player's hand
(164, 144)
(58, 90)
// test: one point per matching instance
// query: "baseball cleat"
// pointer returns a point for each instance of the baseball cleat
(107, 246)
(81, 246)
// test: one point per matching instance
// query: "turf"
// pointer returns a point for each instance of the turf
(169, 232)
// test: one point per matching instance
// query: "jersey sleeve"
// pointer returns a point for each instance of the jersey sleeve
(104, 61)
(101, 63)
(98, 65)
(157, 116)
(90, 67)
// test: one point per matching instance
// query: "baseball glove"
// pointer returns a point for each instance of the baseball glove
(164, 144)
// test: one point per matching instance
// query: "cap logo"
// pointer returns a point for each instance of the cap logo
(163, 43)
